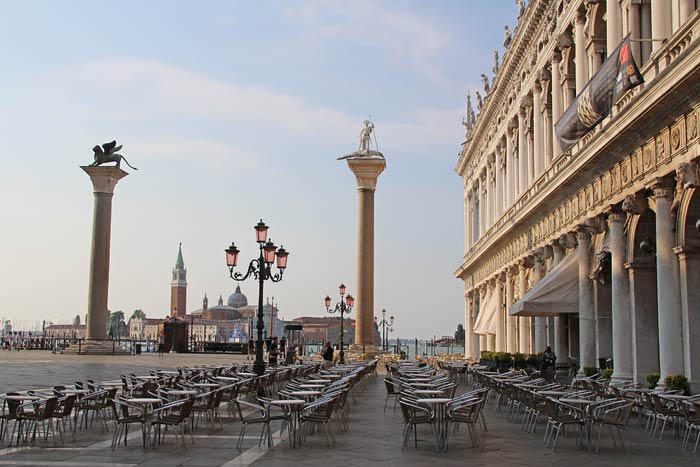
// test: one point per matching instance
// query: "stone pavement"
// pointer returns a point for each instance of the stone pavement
(374, 438)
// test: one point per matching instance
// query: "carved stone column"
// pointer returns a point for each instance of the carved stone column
(581, 58)
(522, 151)
(468, 213)
(686, 9)
(523, 321)
(500, 321)
(668, 287)
(509, 188)
(557, 103)
(491, 192)
(660, 22)
(483, 203)
(500, 178)
(621, 311)
(366, 171)
(540, 322)
(633, 16)
(613, 26)
(511, 321)
(468, 322)
(483, 290)
(475, 211)
(538, 130)
(547, 125)
(104, 181)
(586, 317)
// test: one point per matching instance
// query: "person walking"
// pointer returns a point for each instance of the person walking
(328, 356)
(290, 356)
(274, 352)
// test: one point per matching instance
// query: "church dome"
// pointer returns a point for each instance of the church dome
(237, 299)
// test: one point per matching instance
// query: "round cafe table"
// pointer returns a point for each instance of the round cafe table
(294, 406)
(438, 405)
(306, 395)
(147, 403)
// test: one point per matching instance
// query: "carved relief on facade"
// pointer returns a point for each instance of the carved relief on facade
(637, 158)
(589, 197)
(692, 126)
(606, 184)
(662, 152)
(677, 137)
(596, 191)
(625, 175)
(648, 156)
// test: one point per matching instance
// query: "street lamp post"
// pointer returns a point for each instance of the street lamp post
(261, 269)
(386, 328)
(343, 306)
(173, 323)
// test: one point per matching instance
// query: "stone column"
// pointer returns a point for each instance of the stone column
(475, 212)
(613, 26)
(586, 318)
(468, 322)
(500, 321)
(104, 181)
(646, 32)
(490, 195)
(468, 210)
(523, 321)
(540, 322)
(686, 9)
(645, 318)
(621, 311)
(511, 321)
(483, 343)
(483, 205)
(522, 151)
(547, 126)
(668, 286)
(500, 176)
(689, 261)
(660, 24)
(633, 16)
(474, 297)
(366, 170)
(538, 130)
(561, 348)
(508, 191)
(581, 58)
(557, 104)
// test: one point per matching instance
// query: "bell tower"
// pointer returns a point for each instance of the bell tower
(178, 287)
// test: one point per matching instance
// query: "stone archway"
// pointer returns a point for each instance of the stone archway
(688, 251)
(641, 265)
(602, 297)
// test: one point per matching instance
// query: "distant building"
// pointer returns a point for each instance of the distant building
(72, 331)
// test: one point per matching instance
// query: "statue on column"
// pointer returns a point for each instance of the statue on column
(495, 63)
(364, 149)
(108, 153)
(469, 118)
(507, 38)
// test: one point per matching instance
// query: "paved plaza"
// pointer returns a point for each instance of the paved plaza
(374, 438)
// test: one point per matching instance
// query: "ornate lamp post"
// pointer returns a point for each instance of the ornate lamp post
(343, 306)
(386, 328)
(173, 323)
(261, 269)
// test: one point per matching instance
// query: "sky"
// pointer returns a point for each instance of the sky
(235, 111)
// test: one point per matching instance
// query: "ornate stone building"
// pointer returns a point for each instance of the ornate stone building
(603, 238)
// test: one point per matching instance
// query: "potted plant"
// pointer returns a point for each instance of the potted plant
(589, 371)
(653, 380)
(607, 373)
(519, 360)
(676, 382)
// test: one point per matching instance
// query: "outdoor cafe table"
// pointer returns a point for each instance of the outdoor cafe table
(231, 379)
(319, 381)
(439, 405)
(421, 385)
(295, 406)
(181, 392)
(245, 373)
(205, 385)
(147, 403)
(312, 386)
(583, 403)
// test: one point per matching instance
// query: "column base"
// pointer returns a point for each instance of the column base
(615, 379)
(96, 348)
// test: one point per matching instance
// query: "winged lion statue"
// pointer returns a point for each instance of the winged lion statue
(108, 153)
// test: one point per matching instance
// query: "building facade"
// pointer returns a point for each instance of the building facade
(595, 250)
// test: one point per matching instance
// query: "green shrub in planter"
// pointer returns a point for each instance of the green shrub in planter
(503, 358)
(676, 382)
(589, 370)
(653, 380)
(519, 360)
(607, 373)
(486, 355)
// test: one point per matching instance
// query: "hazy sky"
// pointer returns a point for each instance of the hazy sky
(235, 111)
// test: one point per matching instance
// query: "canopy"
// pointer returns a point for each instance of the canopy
(488, 313)
(555, 293)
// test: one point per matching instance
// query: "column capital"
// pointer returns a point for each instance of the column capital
(663, 187)
(537, 87)
(556, 55)
(635, 204)
(104, 178)
(616, 214)
(525, 263)
(583, 234)
(367, 171)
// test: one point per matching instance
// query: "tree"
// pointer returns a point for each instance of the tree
(117, 326)
(459, 335)
(137, 314)
(76, 320)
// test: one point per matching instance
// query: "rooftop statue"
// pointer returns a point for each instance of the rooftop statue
(479, 101)
(108, 153)
(364, 149)
(521, 8)
(507, 38)
(495, 62)
(485, 82)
